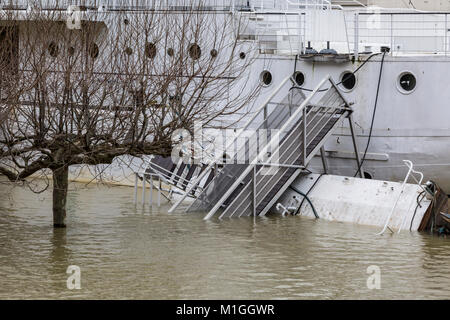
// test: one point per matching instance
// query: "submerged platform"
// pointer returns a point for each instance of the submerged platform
(360, 201)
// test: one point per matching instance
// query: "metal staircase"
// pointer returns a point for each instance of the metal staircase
(302, 126)
(179, 175)
(269, 187)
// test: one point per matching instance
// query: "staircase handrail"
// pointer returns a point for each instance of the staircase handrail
(410, 173)
(167, 175)
(241, 131)
(270, 145)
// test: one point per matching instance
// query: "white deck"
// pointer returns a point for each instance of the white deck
(359, 201)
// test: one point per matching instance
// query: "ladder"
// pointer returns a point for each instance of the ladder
(418, 178)
(302, 126)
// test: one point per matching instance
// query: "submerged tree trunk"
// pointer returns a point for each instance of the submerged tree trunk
(60, 186)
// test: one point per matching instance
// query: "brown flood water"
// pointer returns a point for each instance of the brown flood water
(133, 253)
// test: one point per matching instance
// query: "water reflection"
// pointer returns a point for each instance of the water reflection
(139, 253)
(58, 258)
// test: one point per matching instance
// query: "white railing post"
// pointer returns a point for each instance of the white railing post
(410, 165)
(411, 171)
(386, 225)
(136, 179)
(300, 34)
(356, 44)
(304, 136)
(143, 189)
(392, 34)
(446, 35)
(159, 192)
(151, 190)
(254, 191)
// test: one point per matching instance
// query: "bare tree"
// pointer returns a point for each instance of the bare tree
(121, 84)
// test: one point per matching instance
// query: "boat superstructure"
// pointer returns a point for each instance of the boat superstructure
(390, 63)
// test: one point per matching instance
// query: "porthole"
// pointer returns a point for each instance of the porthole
(368, 175)
(195, 51)
(242, 55)
(128, 51)
(407, 82)
(71, 51)
(299, 78)
(266, 78)
(53, 49)
(348, 80)
(126, 22)
(170, 52)
(93, 51)
(214, 53)
(150, 50)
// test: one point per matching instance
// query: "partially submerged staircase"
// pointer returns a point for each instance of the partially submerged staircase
(180, 174)
(296, 128)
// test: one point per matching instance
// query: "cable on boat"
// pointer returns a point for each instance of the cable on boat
(422, 194)
(373, 117)
(306, 197)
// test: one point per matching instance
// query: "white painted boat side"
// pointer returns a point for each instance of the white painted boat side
(358, 201)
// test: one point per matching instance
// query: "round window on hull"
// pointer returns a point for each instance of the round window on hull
(407, 82)
(266, 78)
(150, 50)
(348, 80)
(94, 51)
(71, 51)
(299, 78)
(368, 175)
(53, 49)
(128, 51)
(195, 52)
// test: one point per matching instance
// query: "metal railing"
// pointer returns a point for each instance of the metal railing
(132, 5)
(419, 179)
(281, 113)
(169, 4)
(148, 177)
(251, 123)
(308, 122)
(168, 176)
(282, 33)
(283, 27)
(407, 32)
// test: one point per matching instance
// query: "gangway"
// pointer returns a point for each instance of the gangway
(296, 129)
